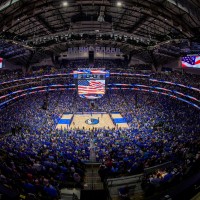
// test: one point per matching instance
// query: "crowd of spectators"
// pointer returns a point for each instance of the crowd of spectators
(112, 65)
(160, 130)
(36, 80)
(38, 161)
(36, 158)
(179, 77)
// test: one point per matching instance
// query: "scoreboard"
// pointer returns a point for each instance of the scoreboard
(91, 74)
(91, 82)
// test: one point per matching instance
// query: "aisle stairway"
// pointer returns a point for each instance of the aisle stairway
(93, 195)
(92, 179)
(93, 187)
(92, 152)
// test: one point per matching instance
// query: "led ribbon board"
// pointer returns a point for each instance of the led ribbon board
(1, 63)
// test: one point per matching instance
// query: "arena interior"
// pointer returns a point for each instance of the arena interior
(100, 100)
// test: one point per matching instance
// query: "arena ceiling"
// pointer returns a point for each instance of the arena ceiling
(31, 30)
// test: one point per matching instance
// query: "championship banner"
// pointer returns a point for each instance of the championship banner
(107, 50)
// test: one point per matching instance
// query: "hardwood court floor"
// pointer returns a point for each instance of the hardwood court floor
(79, 121)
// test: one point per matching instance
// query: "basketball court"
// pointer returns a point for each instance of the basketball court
(90, 121)
(91, 84)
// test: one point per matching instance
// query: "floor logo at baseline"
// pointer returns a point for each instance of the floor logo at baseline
(92, 121)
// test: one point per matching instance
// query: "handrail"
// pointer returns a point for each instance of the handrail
(124, 178)
(92, 177)
(137, 175)
(157, 166)
(91, 163)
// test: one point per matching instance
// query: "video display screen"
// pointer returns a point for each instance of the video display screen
(191, 61)
(91, 89)
(1, 63)
(91, 82)
(91, 74)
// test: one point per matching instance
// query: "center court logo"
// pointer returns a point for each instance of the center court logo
(92, 121)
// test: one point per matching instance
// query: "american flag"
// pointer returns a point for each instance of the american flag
(191, 61)
(91, 87)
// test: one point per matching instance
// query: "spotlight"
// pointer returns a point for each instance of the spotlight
(119, 3)
(65, 3)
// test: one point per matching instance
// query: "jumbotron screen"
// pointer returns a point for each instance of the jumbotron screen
(191, 61)
(1, 63)
(91, 82)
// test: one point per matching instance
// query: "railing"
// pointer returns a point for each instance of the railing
(112, 185)
(92, 177)
(123, 180)
(151, 169)
(92, 165)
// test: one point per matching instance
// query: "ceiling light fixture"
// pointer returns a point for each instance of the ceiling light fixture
(65, 3)
(119, 3)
